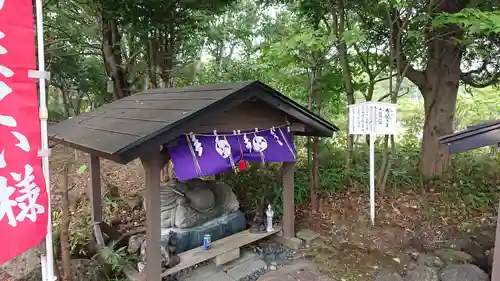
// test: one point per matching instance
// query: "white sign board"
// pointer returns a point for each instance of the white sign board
(372, 118)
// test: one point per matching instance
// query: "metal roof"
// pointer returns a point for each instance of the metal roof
(136, 125)
(473, 137)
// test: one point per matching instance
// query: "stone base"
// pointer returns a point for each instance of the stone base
(308, 236)
(247, 265)
(190, 238)
(290, 242)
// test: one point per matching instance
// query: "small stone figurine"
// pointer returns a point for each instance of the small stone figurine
(269, 214)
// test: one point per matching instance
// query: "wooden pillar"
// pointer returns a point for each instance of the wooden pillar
(496, 256)
(152, 168)
(288, 199)
(96, 197)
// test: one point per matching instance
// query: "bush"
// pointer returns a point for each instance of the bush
(472, 184)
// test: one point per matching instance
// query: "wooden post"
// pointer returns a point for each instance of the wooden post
(152, 168)
(288, 170)
(495, 275)
(96, 197)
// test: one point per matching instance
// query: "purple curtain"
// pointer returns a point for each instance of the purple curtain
(196, 155)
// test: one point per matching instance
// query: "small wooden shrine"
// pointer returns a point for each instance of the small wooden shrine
(141, 126)
(473, 137)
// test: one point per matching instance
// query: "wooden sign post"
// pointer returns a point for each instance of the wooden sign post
(372, 118)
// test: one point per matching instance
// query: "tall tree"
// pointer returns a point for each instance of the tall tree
(458, 48)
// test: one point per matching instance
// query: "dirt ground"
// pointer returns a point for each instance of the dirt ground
(353, 249)
(350, 246)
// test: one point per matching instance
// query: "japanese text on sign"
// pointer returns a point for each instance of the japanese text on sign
(372, 118)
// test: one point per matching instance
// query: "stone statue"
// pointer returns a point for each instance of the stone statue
(269, 214)
(168, 257)
(192, 203)
(257, 224)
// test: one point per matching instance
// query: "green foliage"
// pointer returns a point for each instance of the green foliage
(472, 20)
(471, 186)
(117, 259)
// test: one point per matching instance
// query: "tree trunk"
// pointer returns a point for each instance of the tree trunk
(152, 62)
(440, 97)
(65, 98)
(339, 29)
(65, 251)
(167, 55)
(440, 102)
(111, 50)
(310, 149)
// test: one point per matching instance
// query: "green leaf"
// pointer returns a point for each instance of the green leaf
(82, 169)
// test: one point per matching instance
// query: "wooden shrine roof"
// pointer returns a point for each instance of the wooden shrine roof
(137, 125)
(473, 137)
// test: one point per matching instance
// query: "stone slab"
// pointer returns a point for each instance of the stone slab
(305, 275)
(293, 243)
(307, 236)
(227, 257)
(246, 268)
(208, 272)
(245, 255)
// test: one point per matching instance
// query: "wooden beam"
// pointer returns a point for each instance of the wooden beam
(95, 196)
(288, 170)
(495, 275)
(152, 168)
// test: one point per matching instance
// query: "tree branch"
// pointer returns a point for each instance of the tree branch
(469, 80)
(404, 68)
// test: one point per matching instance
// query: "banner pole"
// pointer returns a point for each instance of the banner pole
(44, 138)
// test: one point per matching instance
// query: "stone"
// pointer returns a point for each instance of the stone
(135, 242)
(244, 256)
(191, 203)
(227, 257)
(293, 243)
(305, 275)
(308, 236)
(206, 273)
(475, 249)
(463, 272)
(455, 243)
(246, 268)
(485, 237)
(35, 275)
(23, 264)
(134, 202)
(422, 273)
(430, 260)
(218, 228)
(388, 276)
(84, 270)
(449, 256)
(491, 253)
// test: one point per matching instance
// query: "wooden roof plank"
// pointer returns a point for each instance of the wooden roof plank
(473, 137)
(141, 123)
(200, 88)
(216, 95)
(97, 140)
(158, 104)
(122, 126)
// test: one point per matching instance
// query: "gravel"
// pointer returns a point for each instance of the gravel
(256, 275)
(273, 254)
